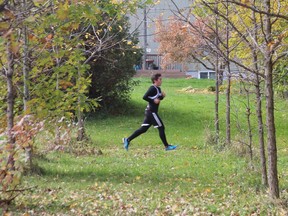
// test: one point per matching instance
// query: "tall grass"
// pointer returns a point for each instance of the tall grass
(196, 179)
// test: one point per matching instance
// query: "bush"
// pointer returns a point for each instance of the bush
(112, 73)
(222, 88)
(211, 88)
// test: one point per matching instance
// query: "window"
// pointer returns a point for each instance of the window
(206, 75)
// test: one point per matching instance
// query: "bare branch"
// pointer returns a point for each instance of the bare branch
(257, 10)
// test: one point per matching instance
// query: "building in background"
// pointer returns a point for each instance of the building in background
(145, 22)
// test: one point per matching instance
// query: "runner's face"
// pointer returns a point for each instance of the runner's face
(158, 82)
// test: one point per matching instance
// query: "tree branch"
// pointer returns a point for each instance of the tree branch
(257, 10)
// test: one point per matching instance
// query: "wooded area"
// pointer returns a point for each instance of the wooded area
(251, 35)
(52, 53)
(63, 59)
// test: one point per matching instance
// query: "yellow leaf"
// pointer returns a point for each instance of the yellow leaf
(62, 15)
(208, 190)
(99, 31)
(75, 25)
(116, 1)
(4, 26)
(245, 1)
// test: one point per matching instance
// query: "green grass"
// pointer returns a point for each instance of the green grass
(196, 179)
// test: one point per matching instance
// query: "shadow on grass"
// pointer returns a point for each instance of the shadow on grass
(133, 108)
(114, 177)
(110, 171)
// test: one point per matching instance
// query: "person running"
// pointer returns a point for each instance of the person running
(153, 96)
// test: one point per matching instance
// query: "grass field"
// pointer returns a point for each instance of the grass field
(196, 179)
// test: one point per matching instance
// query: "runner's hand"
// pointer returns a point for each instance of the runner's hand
(156, 101)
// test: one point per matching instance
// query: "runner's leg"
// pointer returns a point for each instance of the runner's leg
(138, 132)
(144, 127)
(161, 128)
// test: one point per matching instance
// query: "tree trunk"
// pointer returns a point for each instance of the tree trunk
(217, 127)
(26, 97)
(10, 104)
(248, 114)
(259, 105)
(261, 132)
(81, 129)
(25, 69)
(228, 89)
(228, 110)
(217, 72)
(221, 70)
(270, 122)
(144, 64)
(271, 133)
(10, 93)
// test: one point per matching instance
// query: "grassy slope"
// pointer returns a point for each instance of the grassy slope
(146, 180)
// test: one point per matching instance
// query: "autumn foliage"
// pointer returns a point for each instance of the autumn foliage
(183, 42)
(15, 156)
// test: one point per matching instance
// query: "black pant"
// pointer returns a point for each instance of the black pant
(151, 119)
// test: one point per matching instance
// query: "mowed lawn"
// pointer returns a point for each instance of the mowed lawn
(199, 178)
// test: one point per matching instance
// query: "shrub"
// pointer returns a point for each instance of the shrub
(211, 88)
(112, 72)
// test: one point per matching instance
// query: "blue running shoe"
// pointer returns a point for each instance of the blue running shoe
(126, 143)
(170, 147)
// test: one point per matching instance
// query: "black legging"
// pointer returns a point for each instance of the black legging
(143, 129)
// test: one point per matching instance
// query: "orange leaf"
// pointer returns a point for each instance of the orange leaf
(49, 37)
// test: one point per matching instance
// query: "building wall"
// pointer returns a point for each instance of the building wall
(165, 9)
